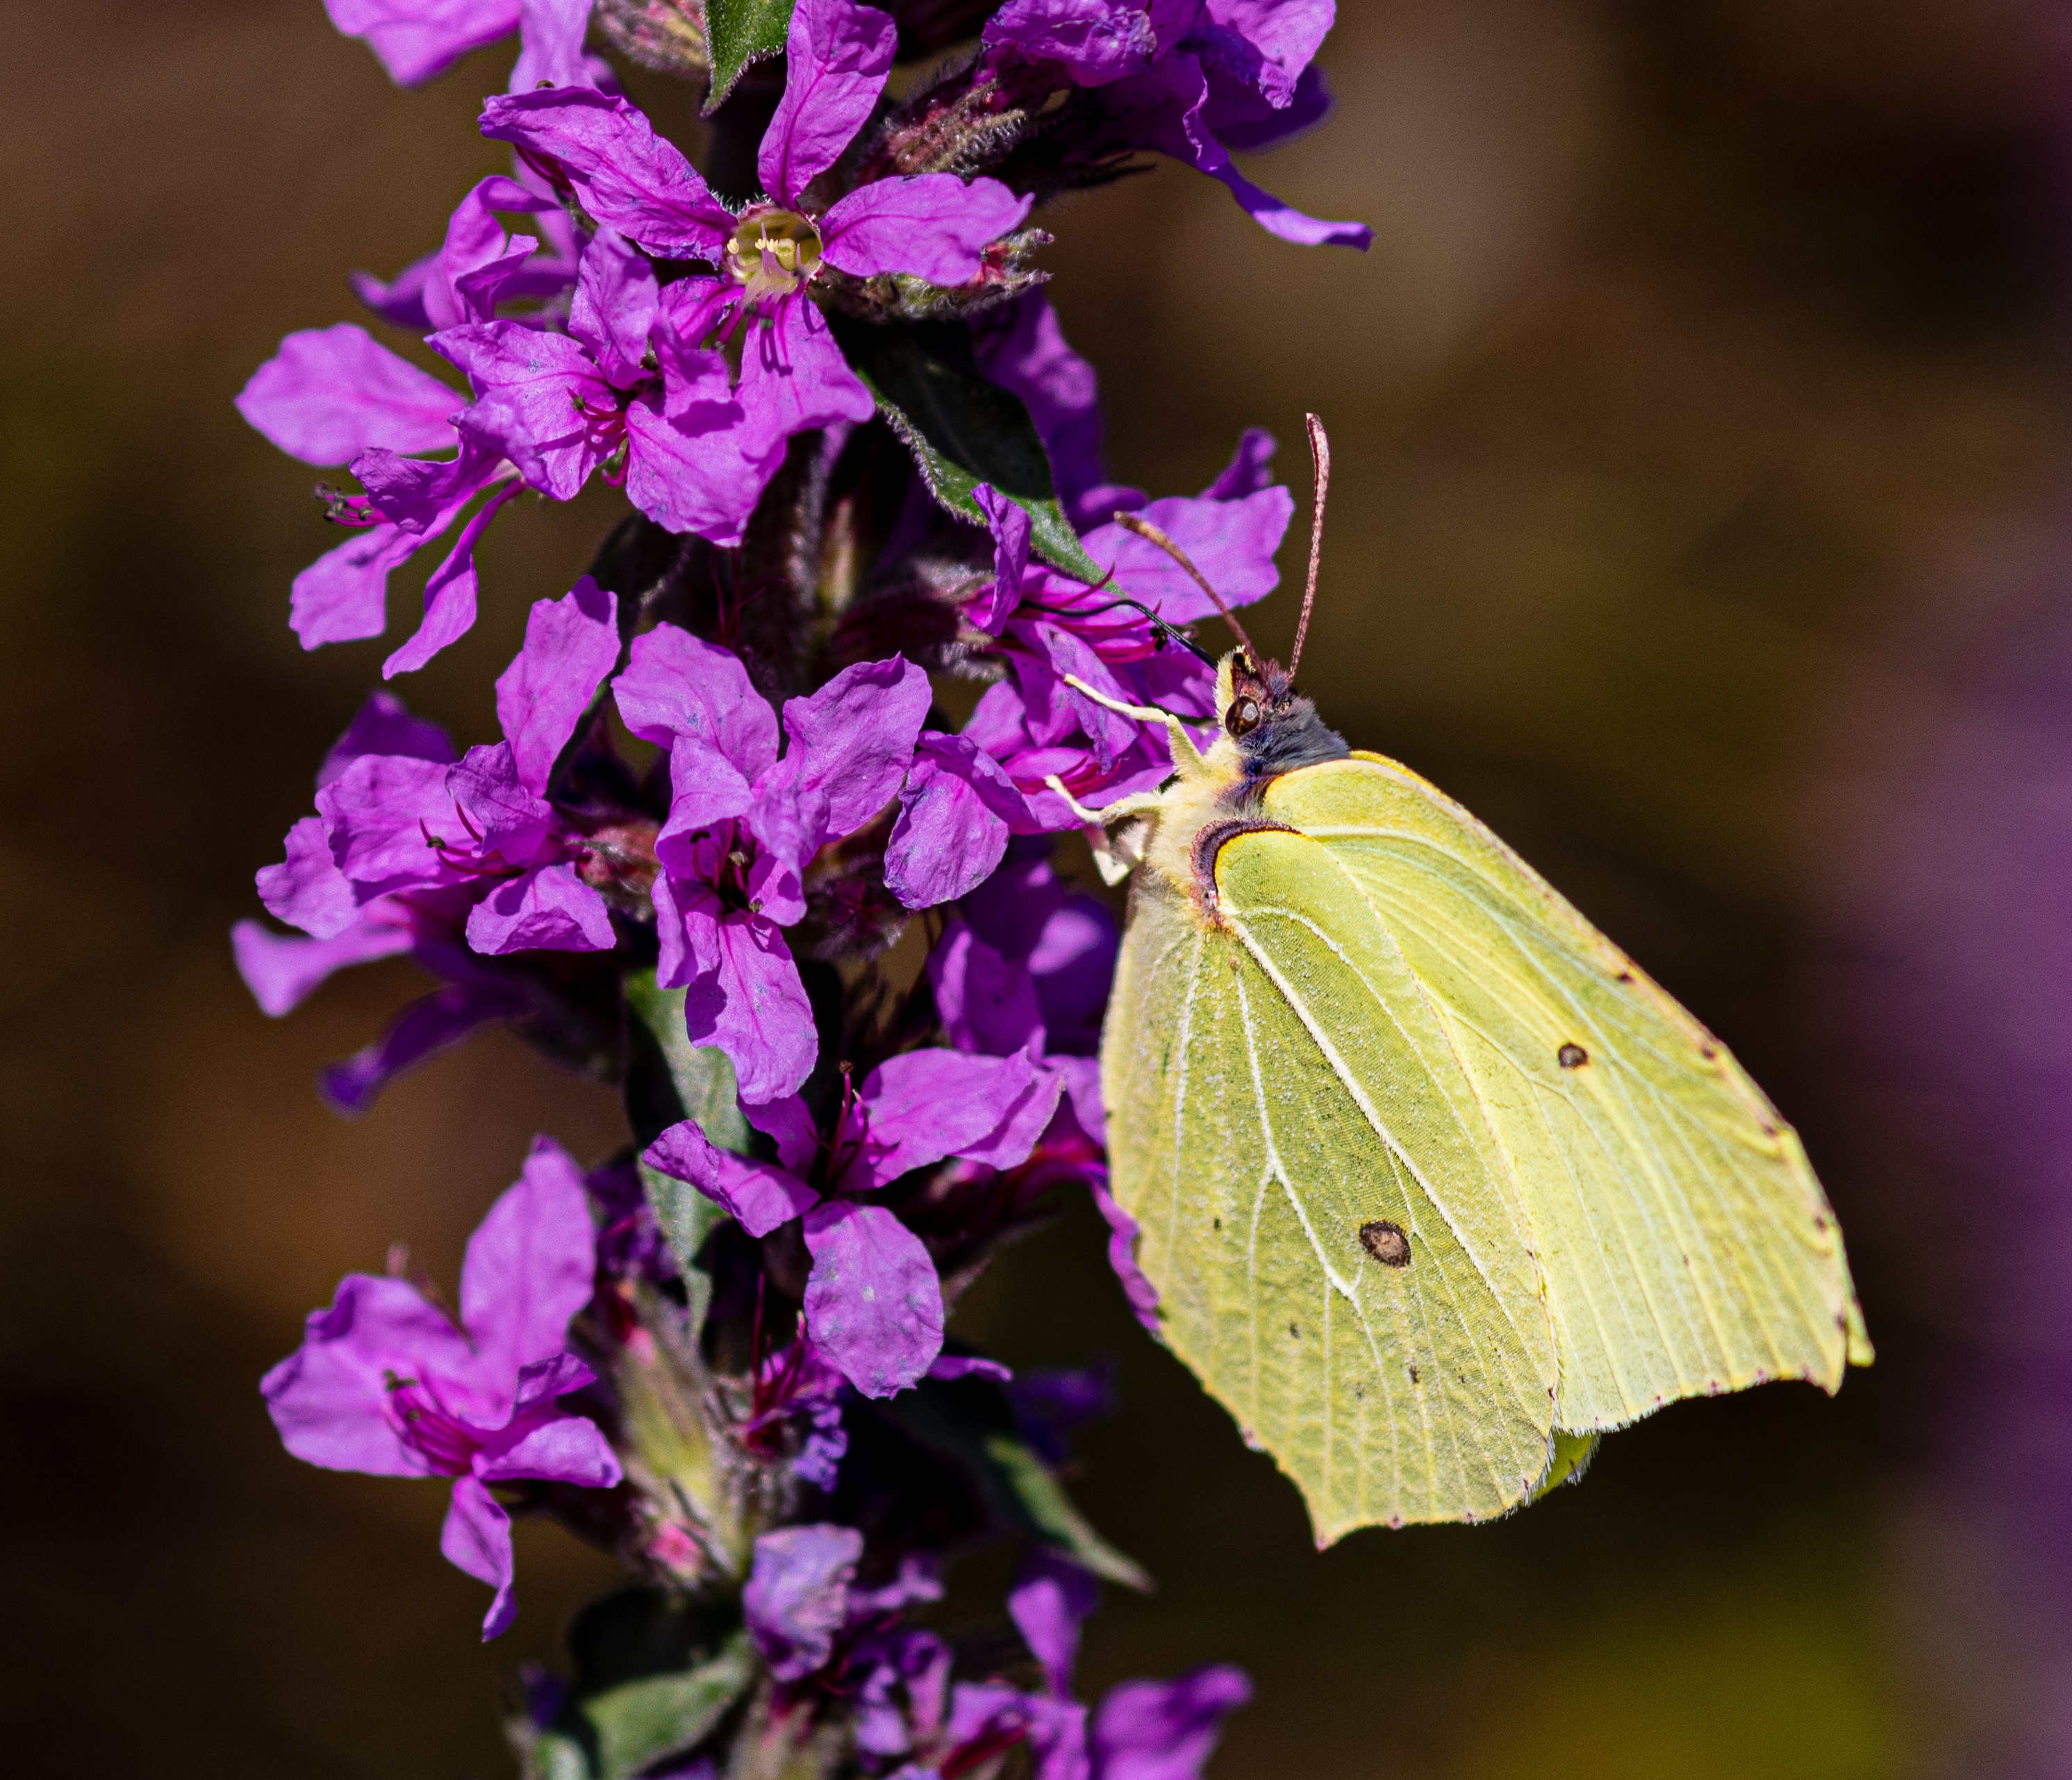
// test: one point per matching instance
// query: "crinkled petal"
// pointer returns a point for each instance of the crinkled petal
(1279, 38)
(1247, 123)
(1164, 1730)
(331, 393)
(1011, 528)
(1136, 1286)
(546, 909)
(873, 1305)
(495, 815)
(932, 225)
(836, 55)
(956, 811)
(476, 1538)
(344, 594)
(427, 1027)
(541, 401)
(552, 44)
(701, 472)
(921, 1106)
(1231, 540)
(384, 725)
(329, 1399)
(1021, 1124)
(1095, 41)
(680, 686)
(753, 1005)
(377, 813)
(281, 969)
(529, 1266)
(1021, 347)
(627, 178)
(479, 258)
(790, 1124)
(307, 889)
(797, 1596)
(615, 306)
(758, 1196)
(558, 1450)
(571, 645)
(850, 743)
(1050, 1597)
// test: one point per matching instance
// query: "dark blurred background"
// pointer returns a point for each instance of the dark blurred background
(1701, 519)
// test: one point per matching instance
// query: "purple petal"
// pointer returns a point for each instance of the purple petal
(1021, 1124)
(1095, 41)
(758, 1196)
(307, 889)
(331, 393)
(704, 470)
(400, 300)
(1281, 219)
(449, 594)
(1136, 1286)
(1281, 36)
(377, 812)
(330, 1397)
(561, 1448)
(546, 909)
(987, 1002)
(571, 644)
(1073, 965)
(1164, 1730)
(454, 290)
(873, 1305)
(428, 1026)
(921, 1106)
(754, 1007)
(1231, 542)
(1246, 123)
(678, 686)
(836, 55)
(1050, 1595)
(281, 969)
(949, 1367)
(416, 40)
(614, 306)
(955, 812)
(932, 225)
(852, 741)
(384, 725)
(794, 377)
(540, 401)
(552, 44)
(1249, 470)
(495, 814)
(476, 1538)
(529, 1266)
(342, 595)
(1057, 711)
(797, 1595)
(1011, 528)
(627, 178)
(1010, 910)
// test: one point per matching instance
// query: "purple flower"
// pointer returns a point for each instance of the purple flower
(743, 823)
(404, 824)
(417, 40)
(873, 1302)
(933, 227)
(387, 1381)
(797, 1596)
(1192, 79)
(479, 266)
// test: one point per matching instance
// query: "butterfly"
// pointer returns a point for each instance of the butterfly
(1435, 1185)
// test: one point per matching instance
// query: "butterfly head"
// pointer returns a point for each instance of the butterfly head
(1268, 727)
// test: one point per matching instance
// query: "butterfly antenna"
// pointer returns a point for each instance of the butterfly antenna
(1143, 529)
(1320, 454)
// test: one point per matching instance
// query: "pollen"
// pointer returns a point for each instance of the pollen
(772, 253)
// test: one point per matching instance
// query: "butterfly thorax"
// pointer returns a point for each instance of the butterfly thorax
(1266, 729)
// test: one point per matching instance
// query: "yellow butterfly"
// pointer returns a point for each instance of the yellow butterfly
(1434, 1184)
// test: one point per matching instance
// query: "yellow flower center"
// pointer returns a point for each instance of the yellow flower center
(772, 253)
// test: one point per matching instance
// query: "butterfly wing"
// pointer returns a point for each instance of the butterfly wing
(1685, 1245)
(1274, 1087)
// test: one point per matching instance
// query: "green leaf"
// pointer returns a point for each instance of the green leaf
(687, 1218)
(737, 33)
(654, 1676)
(968, 1424)
(668, 1078)
(962, 429)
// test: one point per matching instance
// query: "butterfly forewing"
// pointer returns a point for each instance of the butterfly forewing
(1278, 1085)
(1685, 1245)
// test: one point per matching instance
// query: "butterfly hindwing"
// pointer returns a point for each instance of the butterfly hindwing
(1685, 1245)
(1276, 1085)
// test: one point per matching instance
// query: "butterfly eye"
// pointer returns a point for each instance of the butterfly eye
(1242, 717)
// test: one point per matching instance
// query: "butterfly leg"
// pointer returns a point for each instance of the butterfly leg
(1186, 758)
(1116, 855)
